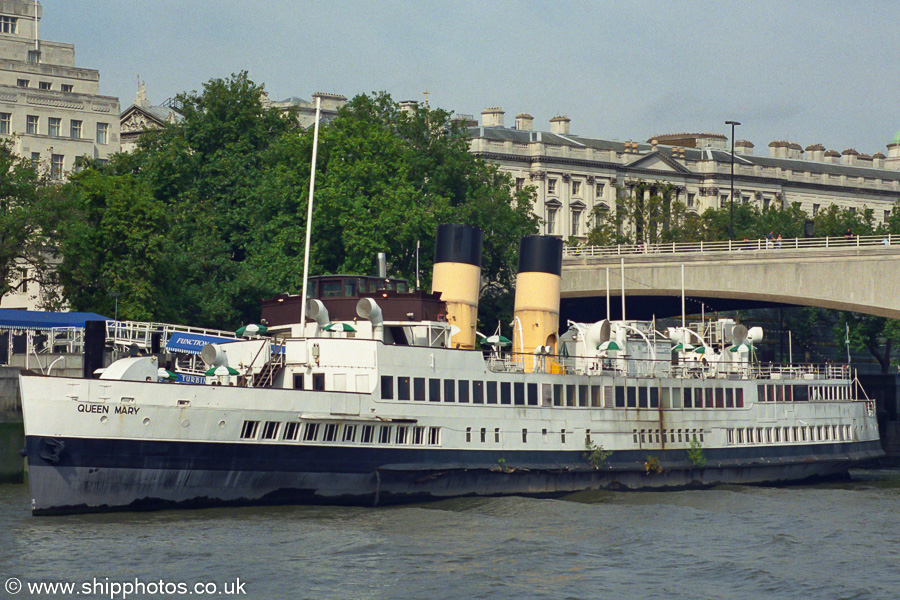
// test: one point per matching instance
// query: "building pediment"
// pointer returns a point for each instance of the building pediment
(136, 118)
(657, 161)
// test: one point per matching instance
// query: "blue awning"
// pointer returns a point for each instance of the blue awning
(37, 320)
(192, 343)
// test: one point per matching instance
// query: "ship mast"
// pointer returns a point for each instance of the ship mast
(309, 212)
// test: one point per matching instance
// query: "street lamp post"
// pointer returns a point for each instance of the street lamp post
(733, 124)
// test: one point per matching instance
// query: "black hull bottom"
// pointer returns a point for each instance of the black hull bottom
(70, 480)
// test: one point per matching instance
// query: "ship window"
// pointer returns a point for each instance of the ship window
(497, 435)
(468, 434)
(634, 435)
(557, 394)
(310, 432)
(290, 431)
(584, 395)
(546, 394)
(571, 399)
(596, 395)
(434, 436)
(483, 434)
(768, 435)
(544, 435)
(270, 430)
(349, 287)
(688, 397)
(366, 434)
(419, 435)
(349, 433)
(587, 437)
(519, 389)
(387, 387)
(319, 382)
(491, 389)
(643, 436)
(463, 389)
(434, 390)
(524, 436)
(298, 381)
(505, 393)
(709, 397)
(631, 396)
(449, 390)
(331, 289)
(249, 430)
(642, 397)
(477, 392)
(330, 432)
(740, 436)
(720, 398)
(532, 394)
(402, 434)
(403, 388)
(384, 434)
(562, 436)
(789, 393)
(620, 396)
(419, 388)
(676, 397)
(739, 398)
(729, 398)
(730, 435)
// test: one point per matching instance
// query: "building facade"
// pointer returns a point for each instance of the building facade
(574, 174)
(50, 109)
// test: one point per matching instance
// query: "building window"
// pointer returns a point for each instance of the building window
(66, 87)
(102, 133)
(56, 166)
(31, 124)
(599, 190)
(551, 186)
(45, 85)
(723, 200)
(766, 202)
(692, 198)
(54, 125)
(22, 82)
(576, 222)
(551, 221)
(34, 56)
(8, 24)
(887, 213)
(576, 188)
(4, 122)
(35, 159)
(520, 183)
(816, 209)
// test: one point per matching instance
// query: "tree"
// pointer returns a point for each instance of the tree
(208, 216)
(29, 212)
(647, 213)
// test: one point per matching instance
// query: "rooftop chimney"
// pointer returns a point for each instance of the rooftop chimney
(744, 147)
(492, 117)
(560, 125)
(524, 121)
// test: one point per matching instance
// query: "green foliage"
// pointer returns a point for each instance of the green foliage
(30, 211)
(695, 454)
(652, 465)
(209, 214)
(595, 454)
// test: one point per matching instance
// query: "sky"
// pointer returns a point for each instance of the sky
(801, 71)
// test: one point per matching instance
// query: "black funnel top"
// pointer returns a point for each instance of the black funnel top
(540, 254)
(458, 244)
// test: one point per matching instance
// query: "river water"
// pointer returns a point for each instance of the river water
(825, 541)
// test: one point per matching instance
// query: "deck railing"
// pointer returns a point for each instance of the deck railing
(756, 245)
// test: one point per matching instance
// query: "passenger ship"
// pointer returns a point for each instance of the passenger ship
(396, 404)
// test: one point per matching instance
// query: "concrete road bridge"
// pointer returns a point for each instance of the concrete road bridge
(859, 274)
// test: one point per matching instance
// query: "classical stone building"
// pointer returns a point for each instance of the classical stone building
(51, 109)
(142, 116)
(575, 174)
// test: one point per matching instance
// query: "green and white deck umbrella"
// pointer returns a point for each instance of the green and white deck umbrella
(610, 345)
(166, 374)
(338, 327)
(221, 371)
(699, 349)
(251, 329)
(682, 348)
(497, 340)
(742, 347)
